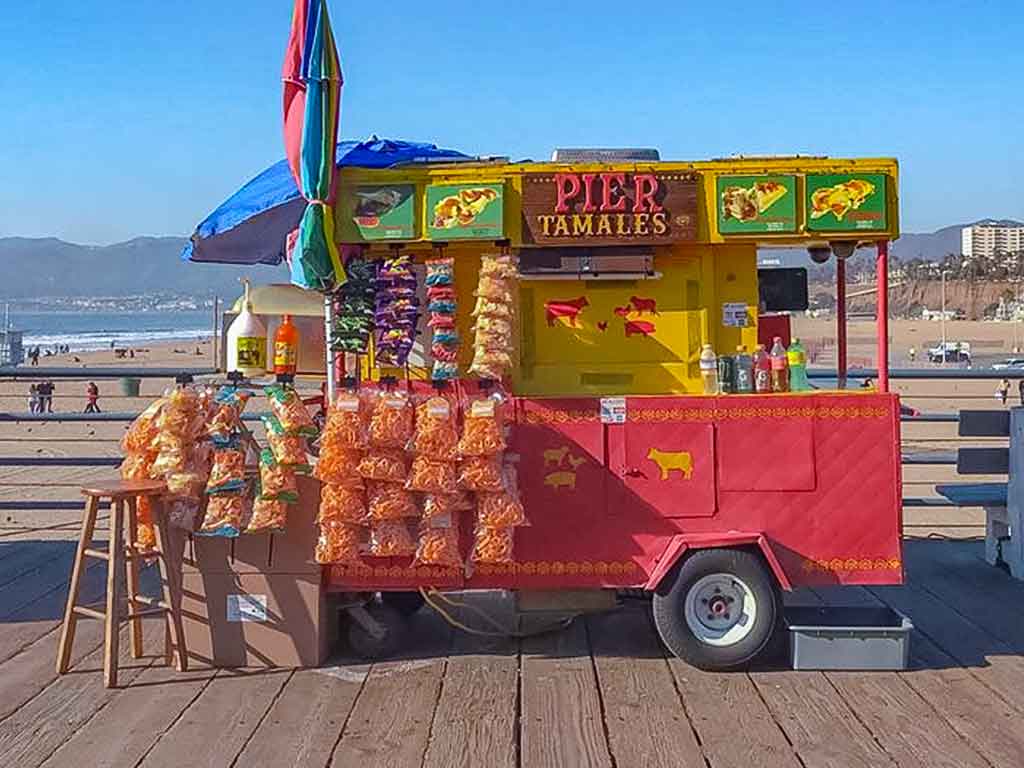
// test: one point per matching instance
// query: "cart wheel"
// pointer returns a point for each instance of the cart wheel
(375, 630)
(406, 603)
(720, 610)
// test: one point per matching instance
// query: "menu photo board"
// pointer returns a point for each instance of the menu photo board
(465, 212)
(846, 202)
(609, 208)
(756, 204)
(379, 212)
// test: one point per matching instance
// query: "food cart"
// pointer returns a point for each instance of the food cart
(631, 477)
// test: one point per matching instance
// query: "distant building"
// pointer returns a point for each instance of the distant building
(991, 238)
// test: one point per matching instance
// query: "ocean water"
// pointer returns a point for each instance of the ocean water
(85, 331)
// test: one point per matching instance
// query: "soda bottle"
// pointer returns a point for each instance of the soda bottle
(744, 371)
(709, 370)
(727, 374)
(780, 366)
(286, 347)
(797, 367)
(762, 371)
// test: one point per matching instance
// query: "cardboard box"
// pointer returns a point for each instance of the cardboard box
(289, 552)
(257, 620)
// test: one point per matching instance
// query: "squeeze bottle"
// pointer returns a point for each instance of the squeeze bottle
(762, 371)
(247, 341)
(780, 366)
(286, 347)
(744, 371)
(797, 367)
(709, 370)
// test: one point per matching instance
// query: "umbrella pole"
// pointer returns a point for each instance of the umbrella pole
(332, 383)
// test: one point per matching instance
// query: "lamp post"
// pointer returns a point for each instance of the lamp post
(942, 317)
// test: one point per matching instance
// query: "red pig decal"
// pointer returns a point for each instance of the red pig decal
(642, 305)
(570, 308)
(639, 327)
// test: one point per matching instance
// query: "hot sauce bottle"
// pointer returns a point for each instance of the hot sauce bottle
(286, 347)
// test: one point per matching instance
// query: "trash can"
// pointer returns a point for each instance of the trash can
(130, 387)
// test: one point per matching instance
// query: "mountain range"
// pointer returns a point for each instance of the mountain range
(37, 268)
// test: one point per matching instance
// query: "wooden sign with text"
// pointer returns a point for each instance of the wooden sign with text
(609, 208)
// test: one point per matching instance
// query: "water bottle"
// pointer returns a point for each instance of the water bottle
(762, 371)
(744, 371)
(727, 374)
(780, 366)
(797, 359)
(709, 370)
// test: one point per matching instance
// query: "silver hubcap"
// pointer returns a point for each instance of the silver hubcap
(720, 609)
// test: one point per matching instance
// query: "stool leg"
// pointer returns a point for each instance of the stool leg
(67, 632)
(171, 586)
(134, 623)
(115, 569)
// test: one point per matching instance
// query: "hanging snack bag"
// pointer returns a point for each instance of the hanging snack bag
(342, 504)
(229, 402)
(384, 464)
(438, 546)
(493, 546)
(346, 423)
(289, 450)
(390, 538)
(338, 543)
(186, 485)
(391, 425)
(499, 510)
(223, 515)
(429, 476)
(143, 431)
(482, 431)
(436, 435)
(481, 473)
(277, 482)
(390, 501)
(167, 462)
(339, 466)
(267, 515)
(228, 472)
(180, 414)
(291, 413)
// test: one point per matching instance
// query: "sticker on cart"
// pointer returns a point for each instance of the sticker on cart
(613, 410)
(734, 314)
(247, 608)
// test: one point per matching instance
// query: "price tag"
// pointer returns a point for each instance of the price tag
(481, 409)
(613, 410)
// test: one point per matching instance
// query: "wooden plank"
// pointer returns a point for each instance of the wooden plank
(217, 725)
(305, 721)
(124, 730)
(646, 722)
(475, 721)
(817, 722)
(391, 721)
(34, 731)
(561, 718)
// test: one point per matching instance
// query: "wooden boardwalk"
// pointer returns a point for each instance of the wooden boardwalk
(601, 693)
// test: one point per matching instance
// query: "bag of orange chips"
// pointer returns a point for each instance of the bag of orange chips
(435, 435)
(384, 464)
(481, 473)
(482, 432)
(338, 543)
(391, 425)
(432, 476)
(389, 501)
(390, 538)
(493, 546)
(342, 504)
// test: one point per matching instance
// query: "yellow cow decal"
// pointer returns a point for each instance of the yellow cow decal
(669, 460)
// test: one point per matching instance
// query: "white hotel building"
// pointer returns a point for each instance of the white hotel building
(991, 238)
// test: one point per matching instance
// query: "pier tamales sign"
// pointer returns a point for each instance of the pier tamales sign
(609, 208)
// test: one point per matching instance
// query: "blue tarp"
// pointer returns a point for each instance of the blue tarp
(250, 227)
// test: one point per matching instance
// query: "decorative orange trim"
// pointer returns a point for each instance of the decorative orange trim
(562, 417)
(760, 414)
(836, 564)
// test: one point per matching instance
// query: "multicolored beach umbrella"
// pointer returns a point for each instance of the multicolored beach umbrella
(312, 100)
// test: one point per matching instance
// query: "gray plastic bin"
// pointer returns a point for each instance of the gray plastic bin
(848, 638)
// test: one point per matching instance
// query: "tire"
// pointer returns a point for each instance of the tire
(368, 647)
(700, 608)
(406, 603)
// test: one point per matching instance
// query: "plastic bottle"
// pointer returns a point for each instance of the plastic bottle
(727, 374)
(744, 371)
(780, 366)
(247, 341)
(286, 347)
(709, 370)
(762, 371)
(797, 367)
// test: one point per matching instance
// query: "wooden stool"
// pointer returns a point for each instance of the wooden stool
(124, 548)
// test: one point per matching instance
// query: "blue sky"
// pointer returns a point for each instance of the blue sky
(137, 118)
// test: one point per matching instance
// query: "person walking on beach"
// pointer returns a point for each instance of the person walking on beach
(33, 398)
(92, 396)
(1003, 390)
(46, 396)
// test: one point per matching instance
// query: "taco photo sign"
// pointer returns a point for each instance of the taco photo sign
(756, 204)
(381, 212)
(465, 212)
(844, 202)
